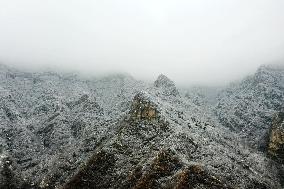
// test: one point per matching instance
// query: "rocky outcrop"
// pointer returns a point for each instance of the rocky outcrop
(162, 167)
(144, 119)
(166, 85)
(276, 138)
(143, 108)
(167, 171)
(96, 173)
(196, 176)
(116, 164)
(164, 170)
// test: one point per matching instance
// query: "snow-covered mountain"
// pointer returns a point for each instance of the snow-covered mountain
(63, 131)
(247, 107)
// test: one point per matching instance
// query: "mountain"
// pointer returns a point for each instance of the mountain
(276, 137)
(247, 107)
(64, 131)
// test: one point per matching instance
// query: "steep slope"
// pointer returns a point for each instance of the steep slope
(167, 86)
(151, 150)
(248, 107)
(50, 122)
(115, 132)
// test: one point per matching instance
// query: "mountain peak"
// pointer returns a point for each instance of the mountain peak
(143, 107)
(167, 85)
(163, 80)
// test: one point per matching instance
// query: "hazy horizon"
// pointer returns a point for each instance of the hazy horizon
(201, 42)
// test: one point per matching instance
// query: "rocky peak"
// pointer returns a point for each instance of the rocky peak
(163, 80)
(167, 85)
(143, 108)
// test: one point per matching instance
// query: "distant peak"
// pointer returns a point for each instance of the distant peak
(162, 76)
(270, 68)
(163, 80)
(271, 73)
(167, 85)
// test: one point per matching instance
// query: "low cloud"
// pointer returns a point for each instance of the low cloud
(193, 42)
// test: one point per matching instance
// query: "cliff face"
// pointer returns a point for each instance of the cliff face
(276, 138)
(143, 108)
(115, 132)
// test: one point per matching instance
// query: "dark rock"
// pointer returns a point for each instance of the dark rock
(96, 173)
(143, 108)
(276, 138)
(164, 164)
(196, 175)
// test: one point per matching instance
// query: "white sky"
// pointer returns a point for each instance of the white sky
(192, 42)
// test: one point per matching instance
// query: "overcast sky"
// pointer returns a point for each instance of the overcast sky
(193, 42)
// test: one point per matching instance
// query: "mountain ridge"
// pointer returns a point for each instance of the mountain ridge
(57, 129)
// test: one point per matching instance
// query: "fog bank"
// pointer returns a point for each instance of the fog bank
(192, 42)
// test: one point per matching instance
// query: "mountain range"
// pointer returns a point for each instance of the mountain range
(64, 131)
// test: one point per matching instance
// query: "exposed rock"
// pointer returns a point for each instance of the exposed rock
(166, 85)
(96, 173)
(166, 170)
(144, 119)
(195, 176)
(276, 139)
(164, 165)
(143, 108)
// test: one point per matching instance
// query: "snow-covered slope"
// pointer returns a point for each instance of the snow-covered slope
(248, 107)
(60, 130)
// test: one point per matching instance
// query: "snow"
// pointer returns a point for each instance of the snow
(52, 123)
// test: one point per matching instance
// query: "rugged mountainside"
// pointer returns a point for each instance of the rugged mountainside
(62, 131)
(248, 107)
(276, 137)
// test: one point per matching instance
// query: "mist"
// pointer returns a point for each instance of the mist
(192, 42)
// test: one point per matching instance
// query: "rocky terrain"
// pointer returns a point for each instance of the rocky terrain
(63, 131)
(248, 106)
